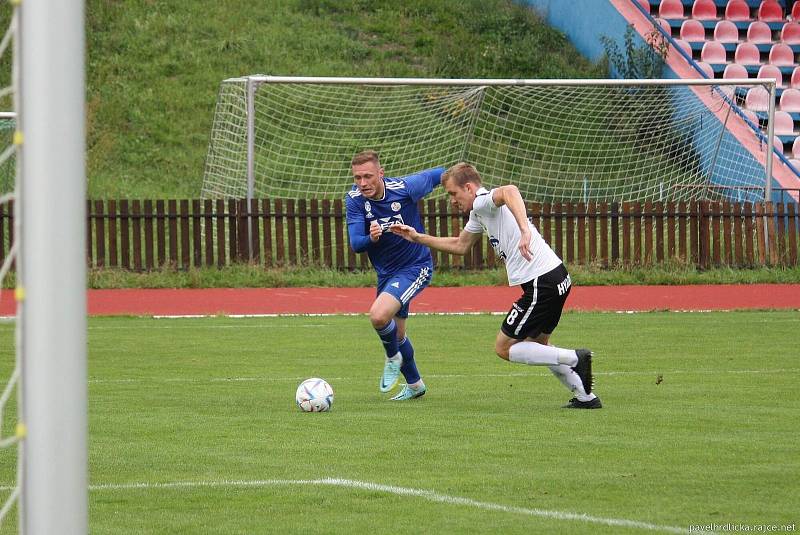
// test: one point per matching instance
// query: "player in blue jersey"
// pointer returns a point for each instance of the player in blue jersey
(404, 269)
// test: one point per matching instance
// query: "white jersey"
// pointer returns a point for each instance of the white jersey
(499, 223)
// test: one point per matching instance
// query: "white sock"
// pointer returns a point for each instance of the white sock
(570, 379)
(535, 354)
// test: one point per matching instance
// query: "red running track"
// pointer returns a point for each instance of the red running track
(256, 301)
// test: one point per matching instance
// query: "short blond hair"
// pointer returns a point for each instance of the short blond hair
(366, 156)
(461, 173)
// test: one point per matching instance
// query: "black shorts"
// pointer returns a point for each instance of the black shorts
(539, 308)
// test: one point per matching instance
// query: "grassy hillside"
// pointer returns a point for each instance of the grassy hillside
(154, 67)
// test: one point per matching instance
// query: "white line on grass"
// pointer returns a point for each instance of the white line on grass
(392, 489)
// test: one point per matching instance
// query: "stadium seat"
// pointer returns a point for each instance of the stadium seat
(796, 10)
(759, 32)
(671, 9)
(795, 162)
(747, 54)
(737, 10)
(752, 117)
(778, 144)
(685, 46)
(664, 24)
(790, 100)
(796, 148)
(704, 10)
(757, 99)
(706, 69)
(781, 54)
(794, 81)
(726, 32)
(734, 70)
(784, 125)
(770, 11)
(790, 33)
(771, 71)
(692, 31)
(713, 52)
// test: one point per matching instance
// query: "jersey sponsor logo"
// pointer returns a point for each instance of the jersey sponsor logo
(495, 243)
(386, 222)
(564, 285)
(396, 206)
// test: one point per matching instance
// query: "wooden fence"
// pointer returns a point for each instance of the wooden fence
(144, 235)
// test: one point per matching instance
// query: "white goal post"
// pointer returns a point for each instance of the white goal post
(558, 140)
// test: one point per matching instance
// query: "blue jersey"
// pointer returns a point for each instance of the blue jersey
(398, 205)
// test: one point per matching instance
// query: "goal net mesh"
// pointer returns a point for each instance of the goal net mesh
(556, 142)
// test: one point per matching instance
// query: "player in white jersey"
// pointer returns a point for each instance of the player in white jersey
(525, 333)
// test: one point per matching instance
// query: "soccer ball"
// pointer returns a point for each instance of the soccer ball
(314, 395)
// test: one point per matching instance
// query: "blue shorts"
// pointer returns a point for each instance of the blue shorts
(404, 285)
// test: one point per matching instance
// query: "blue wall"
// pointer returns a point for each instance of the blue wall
(597, 17)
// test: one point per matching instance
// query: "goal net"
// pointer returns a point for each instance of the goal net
(591, 140)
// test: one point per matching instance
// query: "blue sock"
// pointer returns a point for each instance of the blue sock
(409, 367)
(388, 335)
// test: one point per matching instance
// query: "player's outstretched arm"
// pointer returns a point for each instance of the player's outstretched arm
(455, 245)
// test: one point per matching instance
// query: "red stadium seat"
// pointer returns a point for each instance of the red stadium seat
(671, 9)
(770, 11)
(693, 31)
(726, 32)
(795, 79)
(784, 124)
(759, 32)
(757, 99)
(781, 54)
(664, 24)
(734, 70)
(737, 10)
(713, 52)
(790, 33)
(752, 117)
(747, 54)
(707, 69)
(796, 148)
(704, 10)
(771, 71)
(778, 144)
(790, 100)
(796, 10)
(685, 46)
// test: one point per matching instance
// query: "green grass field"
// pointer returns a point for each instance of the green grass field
(193, 427)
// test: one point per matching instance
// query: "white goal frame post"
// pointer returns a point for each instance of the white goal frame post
(49, 244)
(258, 149)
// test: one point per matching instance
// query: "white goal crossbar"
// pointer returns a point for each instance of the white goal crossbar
(593, 139)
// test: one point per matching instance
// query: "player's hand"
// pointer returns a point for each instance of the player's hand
(525, 244)
(375, 231)
(405, 231)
